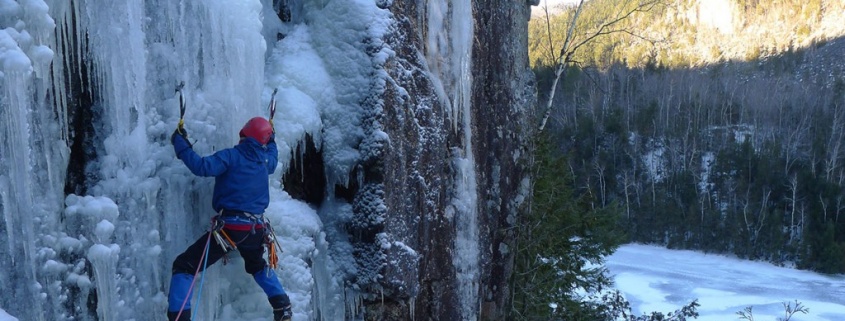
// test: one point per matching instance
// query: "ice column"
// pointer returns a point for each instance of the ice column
(96, 214)
(25, 28)
(15, 157)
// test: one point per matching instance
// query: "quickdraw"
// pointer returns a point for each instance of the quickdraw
(226, 244)
(220, 235)
(271, 243)
(271, 255)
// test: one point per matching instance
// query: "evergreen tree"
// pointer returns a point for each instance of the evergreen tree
(562, 244)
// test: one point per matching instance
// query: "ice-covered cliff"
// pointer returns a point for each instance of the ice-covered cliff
(403, 129)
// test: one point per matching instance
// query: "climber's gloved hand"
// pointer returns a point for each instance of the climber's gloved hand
(179, 139)
(178, 132)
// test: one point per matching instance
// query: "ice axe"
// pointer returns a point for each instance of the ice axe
(181, 127)
(273, 106)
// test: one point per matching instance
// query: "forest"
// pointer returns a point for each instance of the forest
(668, 123)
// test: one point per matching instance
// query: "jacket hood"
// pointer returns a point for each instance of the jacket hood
(251, 149)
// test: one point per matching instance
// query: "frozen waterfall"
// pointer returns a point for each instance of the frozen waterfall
(450, 34)
(96, 206)
(106, 255)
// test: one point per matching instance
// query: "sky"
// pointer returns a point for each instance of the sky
(653, 278)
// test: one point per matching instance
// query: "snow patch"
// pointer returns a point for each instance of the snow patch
(97, 208)
(6, 317)
(716, 14)
(104, 230)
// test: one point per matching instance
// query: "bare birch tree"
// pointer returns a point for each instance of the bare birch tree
(793, 209)
(581, 32)
(755, 224)
(835, 143)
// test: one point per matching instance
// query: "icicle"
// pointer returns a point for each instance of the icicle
(411, 308)
(325, 284)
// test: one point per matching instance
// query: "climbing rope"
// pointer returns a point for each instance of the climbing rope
(193, 282)
(202, 277)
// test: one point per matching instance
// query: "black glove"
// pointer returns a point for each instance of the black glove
(179, 139)
(179, 132)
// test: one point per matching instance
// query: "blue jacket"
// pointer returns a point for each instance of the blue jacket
(240, 173)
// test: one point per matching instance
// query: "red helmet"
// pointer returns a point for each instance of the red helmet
(259, 129)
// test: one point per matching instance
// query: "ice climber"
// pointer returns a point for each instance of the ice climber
(241, 194)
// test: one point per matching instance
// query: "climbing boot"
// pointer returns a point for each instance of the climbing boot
(281, 307)
(282, 314)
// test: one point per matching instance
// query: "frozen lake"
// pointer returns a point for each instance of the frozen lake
(658, 279)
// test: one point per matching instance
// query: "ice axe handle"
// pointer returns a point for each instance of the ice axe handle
(273, 105)
(181, 126)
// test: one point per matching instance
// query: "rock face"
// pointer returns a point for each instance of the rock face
(414, 173)
(503, 99)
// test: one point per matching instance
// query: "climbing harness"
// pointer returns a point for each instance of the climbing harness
(271, 241)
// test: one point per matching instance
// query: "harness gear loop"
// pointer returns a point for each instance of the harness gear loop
(254, 220)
